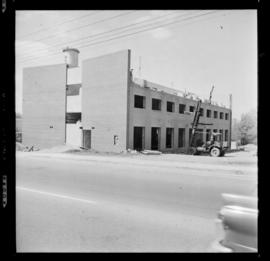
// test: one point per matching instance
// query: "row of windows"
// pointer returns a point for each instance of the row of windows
(156, 135)
(139, 102)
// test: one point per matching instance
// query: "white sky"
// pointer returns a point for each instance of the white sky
(218, 49)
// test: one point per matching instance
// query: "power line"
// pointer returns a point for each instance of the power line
(205, 19)
(149, 29)
(30, 58)
(86, 25)
(118, 37)
(57, 25)
(109, 31)
(146, 29)
(58, 54)
(116, 29)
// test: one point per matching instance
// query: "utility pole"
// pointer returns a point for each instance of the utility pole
(66, 87)
(230, 136)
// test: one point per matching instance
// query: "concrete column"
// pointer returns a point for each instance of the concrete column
(148, 102)
(204, 134)
(147, 137)
(186, 136)
(163, 125)
(175, 146)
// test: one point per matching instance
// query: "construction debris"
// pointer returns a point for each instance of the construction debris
(151, 152)
(132, 151)
(19, 146)
(62, 149)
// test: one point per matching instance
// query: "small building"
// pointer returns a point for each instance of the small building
(113, 111)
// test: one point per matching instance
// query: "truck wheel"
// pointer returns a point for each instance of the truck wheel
(215, 152)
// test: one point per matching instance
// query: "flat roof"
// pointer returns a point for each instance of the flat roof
(157, 87)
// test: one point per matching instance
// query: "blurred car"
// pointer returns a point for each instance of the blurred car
(236, 225)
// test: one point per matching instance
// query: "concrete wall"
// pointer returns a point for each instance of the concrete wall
(44, 106)
(150, 118)
(74, 103)
(74, 134)
(104, 101)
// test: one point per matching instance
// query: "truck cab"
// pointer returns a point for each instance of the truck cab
(214, 147)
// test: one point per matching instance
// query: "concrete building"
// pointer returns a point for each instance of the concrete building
(110, 110)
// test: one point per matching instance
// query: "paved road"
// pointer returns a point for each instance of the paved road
(105, 203)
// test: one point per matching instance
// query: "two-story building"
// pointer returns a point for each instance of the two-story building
(113, 111)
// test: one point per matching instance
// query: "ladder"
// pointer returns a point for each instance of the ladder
(196, 119)
(195, 122)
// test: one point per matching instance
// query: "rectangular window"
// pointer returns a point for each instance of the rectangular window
(226, 135)
(201, 112)
(181, 137)
(221, 115)
(156, 104)
(170, 106)
(208, 113)
(215, 114)
(155, 138)
(226, 116)
(182, 108)
(221, 136)
(208, 134)
(169, 138)
(191, 108)
(139, 101)
(138, 138)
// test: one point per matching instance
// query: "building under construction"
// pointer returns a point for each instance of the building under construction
(114, 112)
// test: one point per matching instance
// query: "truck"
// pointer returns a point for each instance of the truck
(214, 147)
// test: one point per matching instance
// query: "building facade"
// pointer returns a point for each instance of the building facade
(114, 111)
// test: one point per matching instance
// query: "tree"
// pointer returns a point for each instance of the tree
(248, 127)
(245, 130)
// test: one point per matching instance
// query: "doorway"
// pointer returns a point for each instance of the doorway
(169, 138)
(86, 140)
(138, 138)
(155, 138)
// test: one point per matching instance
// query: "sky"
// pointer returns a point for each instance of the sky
(190, 50)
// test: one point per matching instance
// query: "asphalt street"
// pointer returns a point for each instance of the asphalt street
(93, 203)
